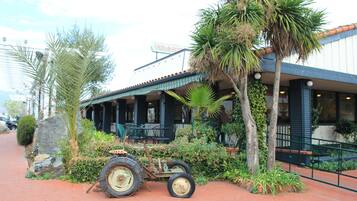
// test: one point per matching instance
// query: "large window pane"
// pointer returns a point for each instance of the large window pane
(327, 102)
(347, 106)
(152, 112)
(283, 115)
(129, 117)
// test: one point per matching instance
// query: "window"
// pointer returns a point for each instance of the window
(327, 102)
(153, 112)
(347, 104)
(114, 113)
(283, 107)
(129, 116)
(182, 113)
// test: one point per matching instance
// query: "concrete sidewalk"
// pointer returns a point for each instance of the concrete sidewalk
(15, 187)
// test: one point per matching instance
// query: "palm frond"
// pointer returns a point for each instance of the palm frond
(179, 98)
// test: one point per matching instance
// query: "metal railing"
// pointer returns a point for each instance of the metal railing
(155, 134)
(326, 161)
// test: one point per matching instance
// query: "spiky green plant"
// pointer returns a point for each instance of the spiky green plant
(223, 48)
(290, 29)
(36, 66)
(201, 99)
(73, 53)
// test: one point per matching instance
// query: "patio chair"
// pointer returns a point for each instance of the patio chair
(120, 131)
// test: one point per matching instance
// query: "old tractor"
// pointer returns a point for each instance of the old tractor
(124, 174)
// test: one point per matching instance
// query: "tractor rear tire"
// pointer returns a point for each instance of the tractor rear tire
(121, 176)
(181, 165)
(181, 185)
(133, 158)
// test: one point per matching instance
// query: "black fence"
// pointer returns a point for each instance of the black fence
(155, 134)
(326, 161)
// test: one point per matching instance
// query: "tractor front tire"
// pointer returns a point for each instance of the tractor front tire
(121, 176)
(181, 185)
(178, 166)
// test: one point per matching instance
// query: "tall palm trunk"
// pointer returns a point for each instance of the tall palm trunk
(250, 127)
(274, 115)
(39, 103)
(50, 102)
(252, 146)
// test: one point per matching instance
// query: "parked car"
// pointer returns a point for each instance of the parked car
(3, 120)
(12, 125)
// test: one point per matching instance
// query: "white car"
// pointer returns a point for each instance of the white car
(3, 121)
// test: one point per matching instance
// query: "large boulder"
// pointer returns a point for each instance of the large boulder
(44, 163)
(46, 146)
(48, 135)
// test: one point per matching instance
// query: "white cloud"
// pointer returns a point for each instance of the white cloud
(11, 75)
(341, 12)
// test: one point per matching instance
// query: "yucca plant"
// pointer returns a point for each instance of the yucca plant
(223, 48)
(200, 98)
(291, 28)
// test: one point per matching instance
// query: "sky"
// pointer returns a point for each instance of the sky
(130, 27)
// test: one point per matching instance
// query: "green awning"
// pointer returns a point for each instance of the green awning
(161, 86)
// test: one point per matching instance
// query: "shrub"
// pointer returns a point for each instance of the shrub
(348, 129)
(200, 130)
(205, 159)
(185, 133)
(91, 143)
(86, 169)
(203, 130)
(335, 165)
(25, 130)
(345, 127)
(276, 180)
(265, 182)
(235, 133)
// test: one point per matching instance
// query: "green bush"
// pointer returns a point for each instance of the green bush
(25, 130)
(335, 165)
(205, 159)
(235, 133)
(348, 129)
(345, 127)
(86, 169)
(185, 133)
(200, 130)
(91, 143)
(265, 182)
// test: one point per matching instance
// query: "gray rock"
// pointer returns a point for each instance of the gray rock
(46, 146)
(49, 133)
(45, 163)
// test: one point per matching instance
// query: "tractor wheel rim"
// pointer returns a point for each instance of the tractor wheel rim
(181, 186)
(120, 179)
(178, 169)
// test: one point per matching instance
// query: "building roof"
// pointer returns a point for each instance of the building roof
(325, 34)
(261, 52)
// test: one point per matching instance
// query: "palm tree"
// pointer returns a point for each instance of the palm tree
(290, 29)
(73, 53)
(223, 48)
(201, 99)
(35, 65)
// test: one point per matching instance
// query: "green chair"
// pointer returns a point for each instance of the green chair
(121, 131)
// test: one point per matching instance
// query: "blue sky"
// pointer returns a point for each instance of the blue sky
(131, 27)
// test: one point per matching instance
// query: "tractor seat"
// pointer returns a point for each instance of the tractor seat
(118, 152)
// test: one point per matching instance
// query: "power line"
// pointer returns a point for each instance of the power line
(22, 46)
